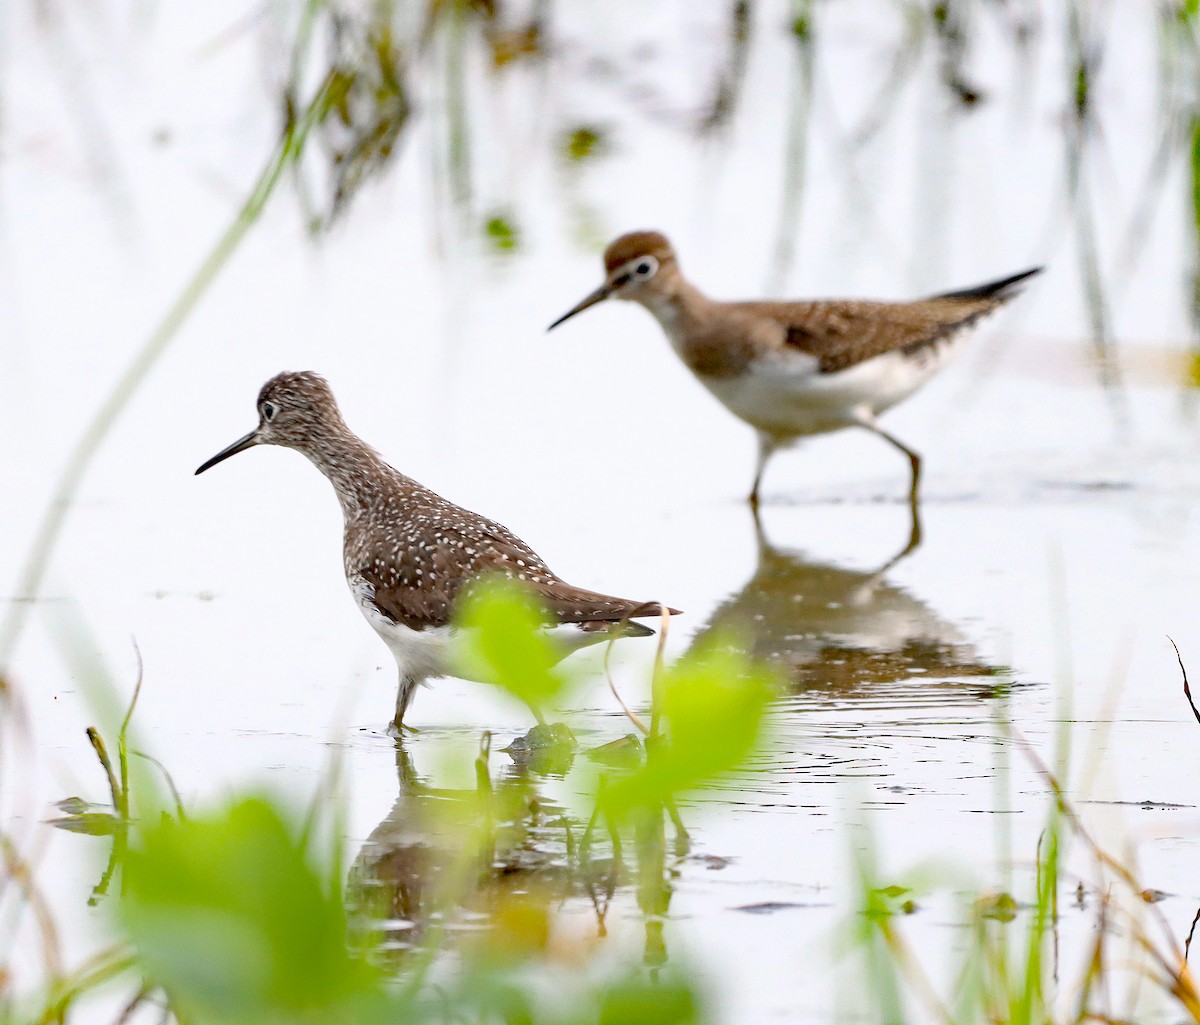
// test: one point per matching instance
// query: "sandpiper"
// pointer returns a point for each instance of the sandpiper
(409, 553)
(791, 369)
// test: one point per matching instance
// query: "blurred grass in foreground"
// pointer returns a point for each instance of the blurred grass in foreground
(240, 912)
(1005, 963)
(244, 911)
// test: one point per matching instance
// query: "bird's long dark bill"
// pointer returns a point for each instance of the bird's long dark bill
(598, 296)
(240, 445)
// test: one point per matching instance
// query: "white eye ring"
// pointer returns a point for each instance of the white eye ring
(268, 412)
(643, 268)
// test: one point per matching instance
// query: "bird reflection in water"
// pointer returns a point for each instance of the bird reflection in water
(842, 631)
(499, 863)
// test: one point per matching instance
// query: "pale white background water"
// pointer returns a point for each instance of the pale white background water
(1059, 527)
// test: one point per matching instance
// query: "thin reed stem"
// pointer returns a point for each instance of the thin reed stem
(71, 477)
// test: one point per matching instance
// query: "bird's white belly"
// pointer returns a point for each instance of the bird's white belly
(439, 650)
(786, 395)
(419, 654)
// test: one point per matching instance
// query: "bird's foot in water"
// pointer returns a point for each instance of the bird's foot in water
(400, 731)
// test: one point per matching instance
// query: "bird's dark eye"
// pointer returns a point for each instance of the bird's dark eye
(268, 412)
(643, 269)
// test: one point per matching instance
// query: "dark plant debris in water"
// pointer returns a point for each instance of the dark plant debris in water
(770, 907)
(1187, 690)
(1146, 805)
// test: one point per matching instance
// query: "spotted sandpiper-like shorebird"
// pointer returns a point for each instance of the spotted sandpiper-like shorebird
(410, 554)
(791, 369)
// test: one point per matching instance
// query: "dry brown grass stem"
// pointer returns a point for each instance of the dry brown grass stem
(169, 780)
(104, 966)
(656, 676)
(101, 750)
(1187, 690)
(1187, 943)
(18, 869)
(612, 685)
(1168, 956)
(658, 664)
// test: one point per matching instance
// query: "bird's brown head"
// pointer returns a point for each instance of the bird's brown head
(293, 409)
(640, 265)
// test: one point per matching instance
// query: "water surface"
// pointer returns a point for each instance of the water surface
(1058, 546)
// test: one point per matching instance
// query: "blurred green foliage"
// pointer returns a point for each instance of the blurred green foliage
(234, 919)
(239, 914)
(1008, 969)
(634, 1001)
(237, 920)
(711, 705)
(503, 641)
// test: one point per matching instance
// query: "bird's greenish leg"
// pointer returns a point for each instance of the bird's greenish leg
(404, 695)
(914, 461)
(766, 449)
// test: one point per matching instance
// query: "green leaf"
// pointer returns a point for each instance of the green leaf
(711, 703)
(503, 641)
(638, 1000)
(625, 752)
(230, 916)
(885, 901)
(92, 823)
(492, 990)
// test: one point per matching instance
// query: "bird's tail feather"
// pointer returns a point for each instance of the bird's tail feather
(998, 291)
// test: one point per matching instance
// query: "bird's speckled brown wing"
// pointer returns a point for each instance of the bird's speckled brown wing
(843, 333)
(509, 556)
(418, 584)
